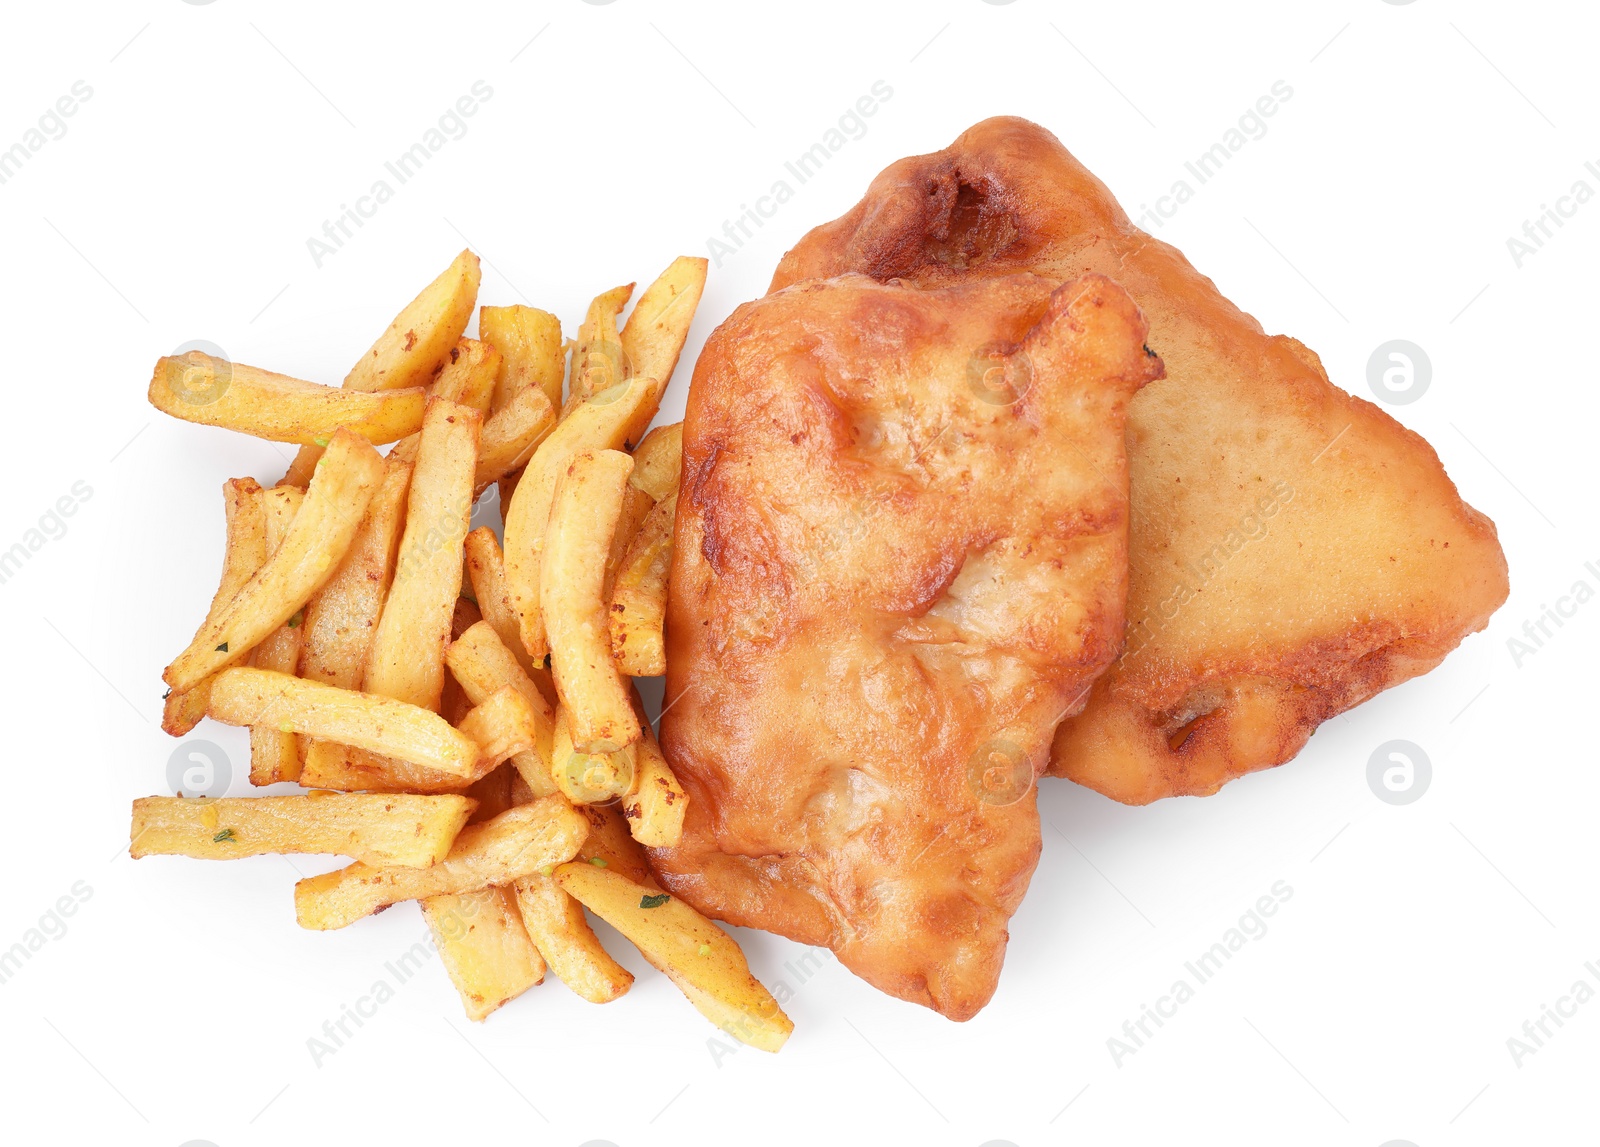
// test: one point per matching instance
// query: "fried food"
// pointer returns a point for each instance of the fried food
(1293, 549)
(900, 559)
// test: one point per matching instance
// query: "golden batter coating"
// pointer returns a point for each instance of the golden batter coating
(1293, 549)
(900, 559)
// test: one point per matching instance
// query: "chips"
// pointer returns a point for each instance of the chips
(395, 665)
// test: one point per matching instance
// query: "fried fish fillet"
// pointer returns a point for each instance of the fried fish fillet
(1293, 549)
(900, 559)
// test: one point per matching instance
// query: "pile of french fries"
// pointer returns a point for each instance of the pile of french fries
(460, 711)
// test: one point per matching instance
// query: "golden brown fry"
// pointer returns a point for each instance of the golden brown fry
(639, 597)
(468, 378)
(559, 930)
(514, 844)
(413, 348)
(407, 656)
(531, 349)
(242, 696)
(316, 542)
(484, 947)
(483, 665)
(592, 426)
(610, 844)
(512, 434)
(589, 778)
(343, 768)
(487, 572)
(583, 518)
(504, 724)
(244, 553)
(410, 831)
(701, 959)
(598, 363)
(655, 805)
(656, 331)
(658, 462)
(636, 507)
(274, 754)
(197, 387)
(341, 617)
(493, 792)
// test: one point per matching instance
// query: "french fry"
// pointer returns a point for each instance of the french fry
(512, 434)
(636, 507)
(701, 959)
(343, 768)
(484, 947)
(658, 462)
(514, 844)
(589, 778)
(486, 571)
(274, 754)
(655, 332)
(655, 804)
(598, 363)
(483, 665)
(197, 387)
(316, 542)
(531, 351)
(610, 845)
(409, 831)
(556, 923)
(244, 553)
(242, 696)
(406, 660)
(412, 348)
(341, 616)
(583, 518)
(467, 377)
(503, 724)
(639, 597)
(493, 794)
(592, 426)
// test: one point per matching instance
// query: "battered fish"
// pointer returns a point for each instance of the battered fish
(900, 560)
(1293, 549)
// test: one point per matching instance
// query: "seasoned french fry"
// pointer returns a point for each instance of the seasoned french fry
(639, 597)
(636, 507)
(246, 550)
(531, 350)
(592, 426)
(512, 434)
(409, 831)
(406, 660)
(317, 540)
(655, 333)
(197, 387)
(589, 778)
(493, 793)
(341, 616)
(655, 804)
(700, 958)
(484, 947)
(598, 363)
(413, 347)
(483, 665)
(569, 946)
(658, 462)
(583, 518)
(503, 723)
(486, 571)
(514, 844)
(274, 754)
(609, 844)
(344, 768)
(242, 696)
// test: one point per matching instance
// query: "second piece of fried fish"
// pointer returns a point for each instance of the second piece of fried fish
(900, 560)
(1293, 549)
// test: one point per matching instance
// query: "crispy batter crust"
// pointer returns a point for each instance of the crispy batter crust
(900, 559)
(1293, 549)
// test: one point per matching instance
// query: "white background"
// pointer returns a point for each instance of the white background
(217, 140)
